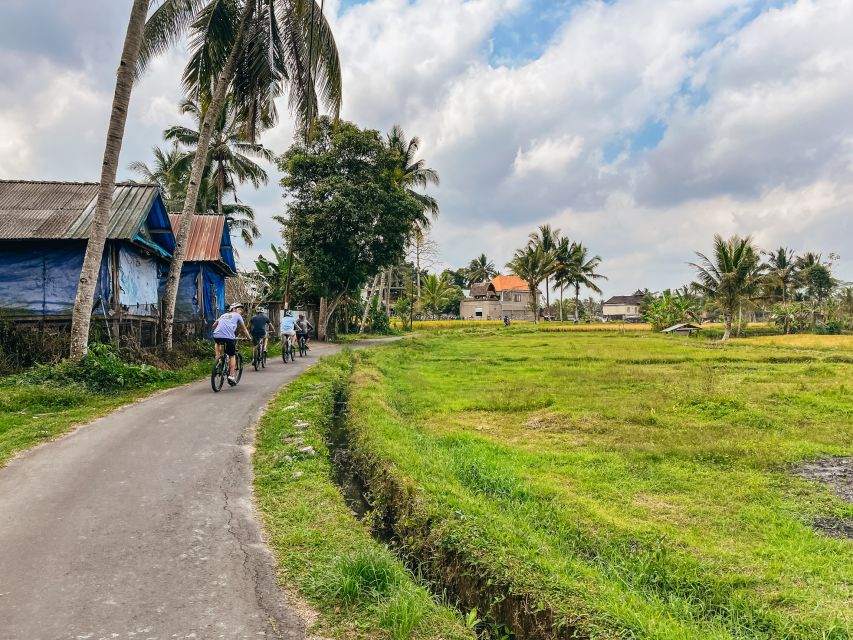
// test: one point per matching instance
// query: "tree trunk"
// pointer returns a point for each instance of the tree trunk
(222, 83)
(547, 296)
(534, 303)
(369, 302)
(561, 303)
(728, 332)
(577, 302)
(81, 315)
(739, 320)
(221, 189)
(388, 292)
(322, 319)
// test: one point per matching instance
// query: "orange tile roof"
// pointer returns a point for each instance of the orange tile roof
(509, 283)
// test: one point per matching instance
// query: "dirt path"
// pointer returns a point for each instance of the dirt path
(141, 524)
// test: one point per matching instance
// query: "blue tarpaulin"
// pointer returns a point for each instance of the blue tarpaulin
(39, 279)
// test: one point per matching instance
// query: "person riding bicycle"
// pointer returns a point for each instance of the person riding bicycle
(225, 336)
(259, 327)
(303, 328)
(288, 328)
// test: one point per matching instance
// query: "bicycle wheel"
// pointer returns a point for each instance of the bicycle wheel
(263, 359)
(239, 372)
(256, 359)
(217, 375)
(302, 348)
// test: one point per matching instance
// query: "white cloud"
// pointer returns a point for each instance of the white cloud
(548, 156)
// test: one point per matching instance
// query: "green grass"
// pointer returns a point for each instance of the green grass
(45, 403)
(360, 589)
(632, 485)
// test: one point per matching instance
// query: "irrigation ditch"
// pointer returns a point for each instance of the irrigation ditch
(397, 518)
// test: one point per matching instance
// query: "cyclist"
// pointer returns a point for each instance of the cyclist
(303, 327)
(259, 324)
(225, 336)
(288, 328)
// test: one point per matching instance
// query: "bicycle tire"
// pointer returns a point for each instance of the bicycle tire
(239, 372)
(255, 358)
(303, 348)
(263, 359)
(217, 375)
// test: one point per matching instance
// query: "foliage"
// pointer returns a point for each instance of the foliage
(627, 505)
(437, 293)
(668, 309)
(377, 320)
(412, 174)
(731, 276)
(348, 217)
(532, 264)
(480, 269)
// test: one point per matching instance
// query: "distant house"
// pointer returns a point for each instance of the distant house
(43, 231)
(624, 307)
(503, 296)
(209, 261)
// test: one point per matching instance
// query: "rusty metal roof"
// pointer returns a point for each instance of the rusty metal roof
(209, 239)
(64, 210)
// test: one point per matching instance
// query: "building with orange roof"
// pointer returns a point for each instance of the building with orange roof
(503, 296)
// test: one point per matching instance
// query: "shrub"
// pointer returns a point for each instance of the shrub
(101, 370)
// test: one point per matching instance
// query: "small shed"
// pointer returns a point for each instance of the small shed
(684, 328)
(209, 261)
(44, 227)
(483, 291)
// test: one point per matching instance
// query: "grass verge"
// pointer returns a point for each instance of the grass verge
(360, 589)
(611, 485)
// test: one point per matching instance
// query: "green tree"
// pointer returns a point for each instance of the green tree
(577, 269)
(781, 269)
(81, 314)
(532, 264)
(731, 275)
(348, 218)
(254, 49)
(480, 269)
(548, 240)
(166, 172)
(436, 293)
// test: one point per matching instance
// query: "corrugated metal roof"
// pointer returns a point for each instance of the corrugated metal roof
(205, 239)
(64, 210)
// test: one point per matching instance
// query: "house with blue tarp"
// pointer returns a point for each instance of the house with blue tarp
(208, 262)
(44, 227)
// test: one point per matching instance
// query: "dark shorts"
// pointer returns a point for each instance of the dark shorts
(230, 345)
(257, 339)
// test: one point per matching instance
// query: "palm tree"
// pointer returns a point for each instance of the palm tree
(579, 270)
(81, 314)
(549, 240)
(412, 173)
(231, 154)
(782, 272)
(480, 269)
(532, 264)
(167, 173)
(255, 49)
(563, 254)
(731, 276)
(815, 276)
(435, 293)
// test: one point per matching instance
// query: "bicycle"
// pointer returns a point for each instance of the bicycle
(259, 355)
(287, 350)
(220, 371)
(302, 340)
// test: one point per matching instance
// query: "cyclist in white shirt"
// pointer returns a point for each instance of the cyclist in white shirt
(225, 336)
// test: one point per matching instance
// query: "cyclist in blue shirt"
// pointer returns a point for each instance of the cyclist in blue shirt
(225, 336)
(288, 328)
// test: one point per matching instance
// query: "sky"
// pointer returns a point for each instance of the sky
(638, 127)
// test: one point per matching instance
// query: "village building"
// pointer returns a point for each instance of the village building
(625, 308)
(43, 231)
(503, 296)
(208, 262)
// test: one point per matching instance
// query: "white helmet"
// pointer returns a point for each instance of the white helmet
(236, 305)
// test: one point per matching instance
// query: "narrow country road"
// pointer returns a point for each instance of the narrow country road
(141, 524)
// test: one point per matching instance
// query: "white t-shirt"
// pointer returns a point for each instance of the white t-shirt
(227, 324)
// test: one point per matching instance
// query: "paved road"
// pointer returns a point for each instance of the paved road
(141, 525)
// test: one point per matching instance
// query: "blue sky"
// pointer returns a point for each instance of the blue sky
(639, 127)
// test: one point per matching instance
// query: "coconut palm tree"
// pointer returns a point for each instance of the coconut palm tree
(412, 173)
(231, 154)
(435, 293)
(167, 173)
(782, 271)
(480, 269)
(81, 314)
(256, 49)
(579, 270)
(549, 240)
(563, 254)
(532, 264)
(730, 276)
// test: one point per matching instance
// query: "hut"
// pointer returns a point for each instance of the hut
(44, 227)
(209, 261)
(683, 328)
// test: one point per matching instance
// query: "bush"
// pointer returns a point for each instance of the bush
(101, 370)
(377, 320)
(22, 346)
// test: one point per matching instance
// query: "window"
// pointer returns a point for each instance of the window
(516, 297)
